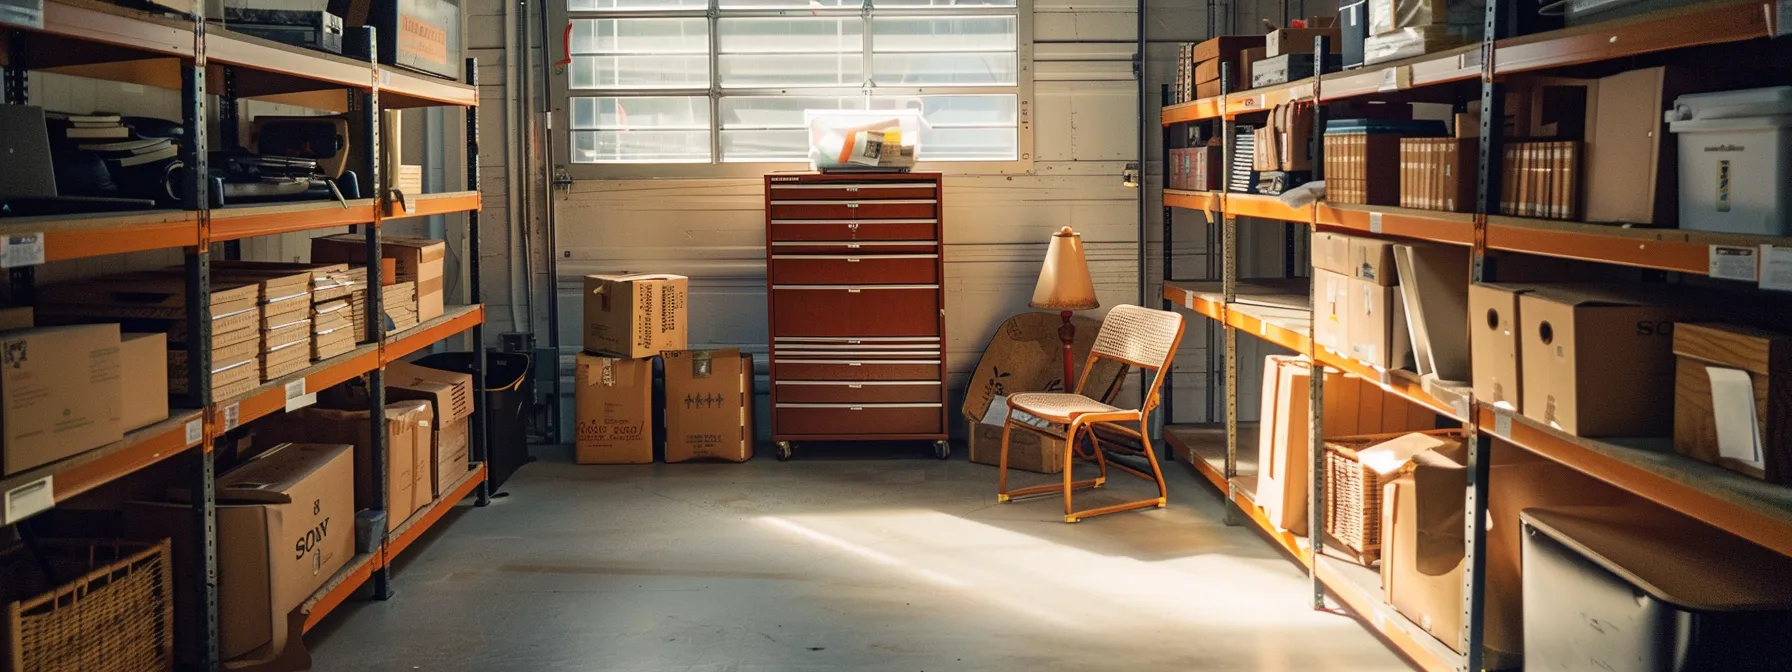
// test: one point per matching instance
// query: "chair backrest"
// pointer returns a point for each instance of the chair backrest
(1138, 336)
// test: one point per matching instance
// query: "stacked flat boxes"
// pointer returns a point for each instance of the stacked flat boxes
(155, 301)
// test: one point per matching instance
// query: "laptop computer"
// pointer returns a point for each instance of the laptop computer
(28, 178)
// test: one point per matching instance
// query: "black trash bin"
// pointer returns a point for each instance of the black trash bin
(509, 390)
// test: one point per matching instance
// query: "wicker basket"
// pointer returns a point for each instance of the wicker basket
(1353, 492)
(114, 611)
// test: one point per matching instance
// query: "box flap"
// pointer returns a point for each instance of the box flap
(267, 478)
(1392, 456)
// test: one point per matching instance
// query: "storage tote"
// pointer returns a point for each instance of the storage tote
(1735, 160)
(106, 606)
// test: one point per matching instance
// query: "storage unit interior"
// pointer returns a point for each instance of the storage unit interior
(1459, 268)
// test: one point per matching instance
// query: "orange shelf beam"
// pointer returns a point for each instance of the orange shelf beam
(436, 204)
(1206, 201)
(1665, 249)
(270, 397)
(119, 27)
(1670, 486)
(121, 234)
(1441, 227)
(267, 220)
(1182, 449)
(415, 90)
(223, 47)
(138, 449)
(1198, 110)
(338, 589)
(456, 320)
(420, 522)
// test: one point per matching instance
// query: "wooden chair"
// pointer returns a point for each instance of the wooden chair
(1132, 336)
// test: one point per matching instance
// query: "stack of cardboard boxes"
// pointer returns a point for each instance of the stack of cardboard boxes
(411, 267)
(450, 395)
(285, 299)
(156, 302)
(1357, 306)
(338, 310)
(630, 321)
(409, 427)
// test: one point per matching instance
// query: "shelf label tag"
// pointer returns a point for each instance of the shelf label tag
(232, 417)
(29, 500)
(1263, 329)
(25, 13)
(1776, 268)
(195, 431)
(1375, 222)
(296, 398)
(1729, 262)
(1395, 79)
(1502, 424)
(24, 249)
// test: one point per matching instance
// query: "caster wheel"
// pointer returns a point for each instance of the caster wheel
(942, 450)
(785, 451)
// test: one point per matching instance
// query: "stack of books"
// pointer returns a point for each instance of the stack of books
(86, 127)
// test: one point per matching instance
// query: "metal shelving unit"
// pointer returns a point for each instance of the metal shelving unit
(97, 39)
(1748, 508)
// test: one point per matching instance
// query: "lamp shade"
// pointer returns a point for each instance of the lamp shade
(1064, 282)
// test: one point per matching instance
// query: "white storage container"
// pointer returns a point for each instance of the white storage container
(1735, 160)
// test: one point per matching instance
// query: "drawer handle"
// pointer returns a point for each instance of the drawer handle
(852, 206)
(858, 408)
(852, 246)
(853, 290)
(853, 227)
(854, 386)
(855, 363)
(852, 260)
(854, 341)
(852, 190)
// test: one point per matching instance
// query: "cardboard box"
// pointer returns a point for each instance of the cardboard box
(62, 390)
(1331, 309)
(635, 315)
(408, 461)
(418, 260)
(286, 524)
(449, 392)
(1612, 350)
(709, 405)
(1372, 259)
(449, 454)
(1331, 252)
(143, 380)
(1494, 357)
(1628, 179)
(1282, 449)
(1376, 329)
(1226, 46)
(1422, 540)
(1300, 41)
(613, 410)
(1734, 368)
(1027, 451)
(17, 317)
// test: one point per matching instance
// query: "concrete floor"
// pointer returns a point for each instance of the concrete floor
(842, 560)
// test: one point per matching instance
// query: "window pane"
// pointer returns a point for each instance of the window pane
(640, 72)
(789, 145)
(633, 5)
(950, 111)
(941, 4)
(755, 112)
(970, 144)
(969, 33)
(640, 146)
(791, 4)
(944, 69)
(791, 36)
(766, 70)
(642, 113)
(640, 36)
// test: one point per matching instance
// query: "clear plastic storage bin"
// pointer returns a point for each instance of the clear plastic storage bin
(863, 139)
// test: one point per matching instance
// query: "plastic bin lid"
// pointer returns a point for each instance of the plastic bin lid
(1411, 127)
(1673, 558)
(1763, 102)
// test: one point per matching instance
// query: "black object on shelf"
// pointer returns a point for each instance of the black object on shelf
(419, 35)
(310, 29)
(509, 393)
(1353, 25)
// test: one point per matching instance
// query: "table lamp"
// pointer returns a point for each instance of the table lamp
(1064, 286)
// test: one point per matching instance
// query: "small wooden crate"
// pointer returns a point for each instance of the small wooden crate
(108, 608)
(1353, 492)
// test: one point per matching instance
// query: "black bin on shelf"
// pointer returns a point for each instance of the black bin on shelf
(509, 391)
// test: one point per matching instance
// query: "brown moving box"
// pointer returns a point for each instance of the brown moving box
(1376, 329)
(613, 410)
(143, 378)
(1226, 47)
(417, 260)
(450, 395)
(635, 315)
(406, 474)
(1372, 259)
(62, 390)
(1331, 309)
(1493, 339)
(1422, 540)
(1599, 362)
(17, 317)
(709, 405)
(1300, 41)
(1331, 252)
(449, 456)
(286, 524)
(1759, 364)
(1029, 451)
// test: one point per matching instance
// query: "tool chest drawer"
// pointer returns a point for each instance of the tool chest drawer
(895, 208)
(854, 269)
(871, 420)
(853, 190)
(923, 230)
(859, 391)
(855, 310)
